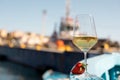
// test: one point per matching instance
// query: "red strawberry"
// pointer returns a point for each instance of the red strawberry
(79, 68)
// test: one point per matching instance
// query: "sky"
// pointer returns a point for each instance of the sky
(27, 15)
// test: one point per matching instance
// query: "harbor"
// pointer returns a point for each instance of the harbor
(33, 55)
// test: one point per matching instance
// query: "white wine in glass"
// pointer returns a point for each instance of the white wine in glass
(84, 42)
(84, 37)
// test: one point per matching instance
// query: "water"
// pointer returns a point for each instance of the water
(14, 71)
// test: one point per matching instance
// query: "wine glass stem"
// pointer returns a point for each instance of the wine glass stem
(85, 61)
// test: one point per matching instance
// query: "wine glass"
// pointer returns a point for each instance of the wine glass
(84, 37)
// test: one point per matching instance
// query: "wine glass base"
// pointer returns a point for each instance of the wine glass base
(84, 76)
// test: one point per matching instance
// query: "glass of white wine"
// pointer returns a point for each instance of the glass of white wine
(84, 37)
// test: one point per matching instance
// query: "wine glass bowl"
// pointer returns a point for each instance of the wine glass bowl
(84, 37)
(84, 42)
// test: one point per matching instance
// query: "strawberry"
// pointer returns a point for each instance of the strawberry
(79, 68)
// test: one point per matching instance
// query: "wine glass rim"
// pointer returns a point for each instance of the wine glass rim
(84, 15)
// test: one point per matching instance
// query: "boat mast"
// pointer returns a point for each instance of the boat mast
(67, 8)
(44, 12)
(66, 22)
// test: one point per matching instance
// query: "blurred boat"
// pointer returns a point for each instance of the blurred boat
(42, 61)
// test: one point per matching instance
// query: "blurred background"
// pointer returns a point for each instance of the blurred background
(35, 35)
